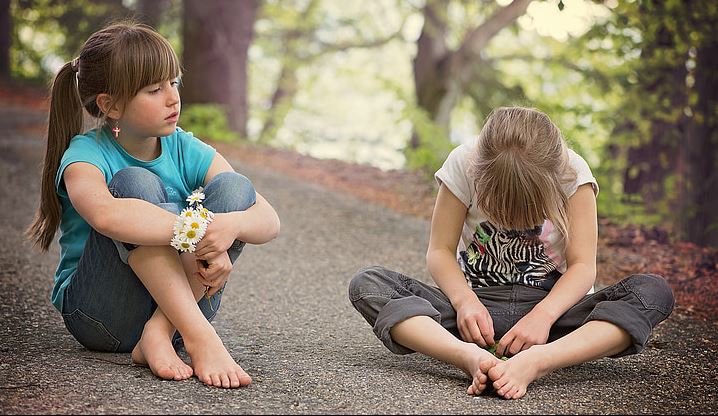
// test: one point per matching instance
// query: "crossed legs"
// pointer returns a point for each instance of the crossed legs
(410, 316)
(595, 339)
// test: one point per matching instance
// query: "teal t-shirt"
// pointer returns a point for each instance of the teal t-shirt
(182, 166)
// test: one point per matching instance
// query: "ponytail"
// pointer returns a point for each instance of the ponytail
(65, 122)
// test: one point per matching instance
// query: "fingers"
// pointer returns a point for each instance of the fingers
(511, 345)
(212, 274)
(477, 329)
(475, 333)
(502, 350)
(207, 253)
(487, 330)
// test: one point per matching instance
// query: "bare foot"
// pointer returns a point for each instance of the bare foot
(478, 361)
(512, 377)
(155, 350)
(212, 363)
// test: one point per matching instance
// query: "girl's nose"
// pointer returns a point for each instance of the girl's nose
(173, 97)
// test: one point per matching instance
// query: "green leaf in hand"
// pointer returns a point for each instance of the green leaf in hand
(492, 350)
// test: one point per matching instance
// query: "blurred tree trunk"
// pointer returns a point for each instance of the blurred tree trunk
(152, 11)
(701, 222)
(217, 35)
(675, 166)
(442, 74)
(5, 40)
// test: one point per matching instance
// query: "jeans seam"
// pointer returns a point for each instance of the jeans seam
(369, 294)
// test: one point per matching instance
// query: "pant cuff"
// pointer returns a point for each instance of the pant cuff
(626, 317)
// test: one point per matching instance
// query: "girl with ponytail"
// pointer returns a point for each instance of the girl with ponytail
(151, 218)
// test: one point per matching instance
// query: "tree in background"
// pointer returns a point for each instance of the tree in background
(297, 36)
(669, 118)
(53, 29)
(444, 73)
(216, 37)
(5, 40)
(152, 12)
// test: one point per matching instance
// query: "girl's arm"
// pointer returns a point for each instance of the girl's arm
(580, 256)
(580, 276)
(124, 219)
(473, 320)
(257, 225)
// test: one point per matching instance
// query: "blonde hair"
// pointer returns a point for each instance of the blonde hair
(520, 168)
(118, 60)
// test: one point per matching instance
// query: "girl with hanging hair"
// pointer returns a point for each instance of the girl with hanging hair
(513, 252)
(151, 218)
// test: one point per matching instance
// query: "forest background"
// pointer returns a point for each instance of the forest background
(396, 84)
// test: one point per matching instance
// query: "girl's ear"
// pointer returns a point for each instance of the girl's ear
(104, 101)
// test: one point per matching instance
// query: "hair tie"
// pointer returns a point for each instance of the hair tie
(75, 64)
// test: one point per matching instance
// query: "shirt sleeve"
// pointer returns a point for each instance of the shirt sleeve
(453, 174)
(196, 158)
(583, 173)
(81, 149)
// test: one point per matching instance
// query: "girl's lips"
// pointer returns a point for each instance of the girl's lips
(173, 117)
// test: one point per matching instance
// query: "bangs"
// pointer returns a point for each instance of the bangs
(512, 203)
(142, 58)
(513, 194)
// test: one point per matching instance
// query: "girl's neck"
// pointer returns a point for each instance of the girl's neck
(148, 148)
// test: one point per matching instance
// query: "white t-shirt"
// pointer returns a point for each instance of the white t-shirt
(490, 256)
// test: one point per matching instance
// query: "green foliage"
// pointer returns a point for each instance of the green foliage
(208, 121)
(433, 142)
(46, 32)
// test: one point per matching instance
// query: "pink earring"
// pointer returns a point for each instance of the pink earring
(116, 130)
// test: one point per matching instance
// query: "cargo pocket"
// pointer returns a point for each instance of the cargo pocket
(90, 333)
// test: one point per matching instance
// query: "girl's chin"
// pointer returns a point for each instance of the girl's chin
(168, 130)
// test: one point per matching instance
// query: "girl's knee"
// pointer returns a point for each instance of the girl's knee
(653, 290)
(139, 183)
(368, 281)
(229, 191)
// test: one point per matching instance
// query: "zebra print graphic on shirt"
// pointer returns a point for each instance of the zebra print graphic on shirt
(502, 257)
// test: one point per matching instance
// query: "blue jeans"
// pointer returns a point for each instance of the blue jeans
(106, 305)
(384, 298)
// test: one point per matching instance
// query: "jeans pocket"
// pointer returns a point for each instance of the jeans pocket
(89, 332)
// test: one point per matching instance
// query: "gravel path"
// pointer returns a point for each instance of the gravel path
(286, 318)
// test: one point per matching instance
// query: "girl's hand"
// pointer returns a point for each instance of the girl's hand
(218, 238)
(530, 330)
(475, 323)
(215, 273)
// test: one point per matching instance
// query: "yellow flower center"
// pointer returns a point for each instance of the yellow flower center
(191, 234)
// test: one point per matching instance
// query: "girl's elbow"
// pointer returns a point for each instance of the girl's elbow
(274, 229)
(100, 222)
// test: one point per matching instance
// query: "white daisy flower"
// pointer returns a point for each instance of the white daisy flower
(181, 244)
(191, 224)
(187, 212)
(197, 196)
(192, 235)
(205, 213)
